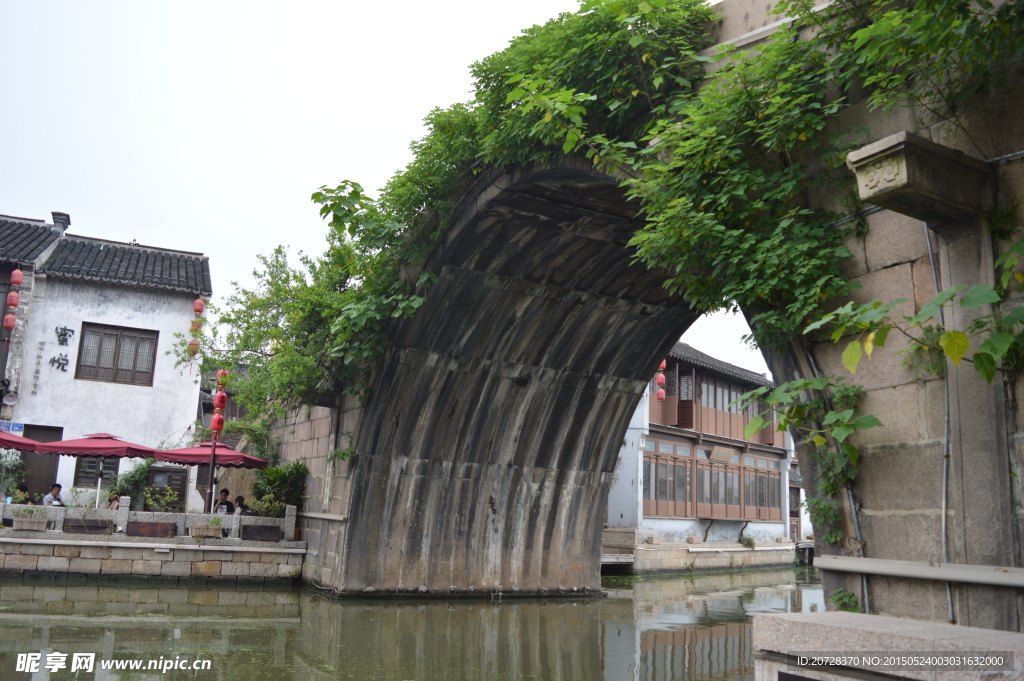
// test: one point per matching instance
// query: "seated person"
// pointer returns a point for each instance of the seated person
(241, 507)
(53, 498)
(21, 496)
(113, 501)
(223, 506)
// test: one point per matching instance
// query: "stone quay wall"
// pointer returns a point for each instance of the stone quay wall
(677, 558)
(155, 559)
(311, 435)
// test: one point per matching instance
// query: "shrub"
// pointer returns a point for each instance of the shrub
(285, 484)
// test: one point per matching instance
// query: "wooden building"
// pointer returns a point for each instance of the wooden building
(686, 462)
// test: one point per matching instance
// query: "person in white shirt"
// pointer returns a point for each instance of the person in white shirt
(53, 498)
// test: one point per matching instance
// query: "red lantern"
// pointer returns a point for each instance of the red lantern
(17, 276)
(197, 325)
(13, 299)
(217, 423)
(199, 306)
(193, 347)
(661, 394)
(10, 321)
(660, 379)
(220, 400)
(663, 365)
(221, 375)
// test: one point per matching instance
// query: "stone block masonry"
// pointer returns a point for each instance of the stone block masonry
(51, 558)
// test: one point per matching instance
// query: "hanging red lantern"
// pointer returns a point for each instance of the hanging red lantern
(661, 394)
(199, 306)
(221, 375)
(13, 299)
(663, 365)
(17, 277)
(10, 321)
(220, 400)
(193, 347)
(217, 423)
(660, 379)
(197, 325)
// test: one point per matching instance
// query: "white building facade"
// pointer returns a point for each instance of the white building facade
(89, 353)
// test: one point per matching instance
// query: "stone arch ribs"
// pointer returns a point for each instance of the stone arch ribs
(487, 447)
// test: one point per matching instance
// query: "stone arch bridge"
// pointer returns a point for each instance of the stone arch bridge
(487, 448)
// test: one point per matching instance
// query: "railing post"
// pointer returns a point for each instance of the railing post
(124, 505)
(289, 523)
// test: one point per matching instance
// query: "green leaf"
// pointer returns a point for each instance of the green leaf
(955, 344)
(985, 365)
(1016, 316)
(821, 322)
(851, 356)
(998, 344)
(819, 440)
(932, 307)
(867, 421)
(881, 335)
(756, 424)
(636, 40)
(851, 453)
(840, 433)
(978, 295)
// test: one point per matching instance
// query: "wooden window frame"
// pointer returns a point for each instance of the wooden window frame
(87, 479)
(702, 488)
(116, 373)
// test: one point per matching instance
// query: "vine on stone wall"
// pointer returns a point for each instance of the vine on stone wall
(724, 170)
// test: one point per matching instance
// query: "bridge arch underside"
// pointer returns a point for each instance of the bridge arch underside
(487, 449)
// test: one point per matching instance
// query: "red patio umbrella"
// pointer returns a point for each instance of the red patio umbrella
(200, 456)
(9, 441)
(96, 444)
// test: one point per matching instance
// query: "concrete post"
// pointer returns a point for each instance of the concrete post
(289, 522)
(121, 517)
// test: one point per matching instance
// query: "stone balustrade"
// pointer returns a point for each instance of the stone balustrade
(119, 519)
(73, 548)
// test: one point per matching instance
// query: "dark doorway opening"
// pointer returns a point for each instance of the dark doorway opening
(41, 469)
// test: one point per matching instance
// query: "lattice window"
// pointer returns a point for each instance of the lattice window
(686, 387)
(117, 354)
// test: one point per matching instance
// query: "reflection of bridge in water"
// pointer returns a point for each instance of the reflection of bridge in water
(657, 629)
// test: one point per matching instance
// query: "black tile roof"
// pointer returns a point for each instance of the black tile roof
(79, 257)
(687, 353)
(22, 241)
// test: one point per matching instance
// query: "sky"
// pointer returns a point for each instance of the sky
(205, 126)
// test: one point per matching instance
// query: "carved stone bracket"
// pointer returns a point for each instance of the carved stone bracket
(910, 175)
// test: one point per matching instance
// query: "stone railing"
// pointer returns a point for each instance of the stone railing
(58, 516)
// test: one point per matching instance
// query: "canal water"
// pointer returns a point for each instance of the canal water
(657, 629)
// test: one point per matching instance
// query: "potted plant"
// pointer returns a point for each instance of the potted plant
(30, 518)
(84, 518)
(159, 499)
(268, 507)
(211, 528)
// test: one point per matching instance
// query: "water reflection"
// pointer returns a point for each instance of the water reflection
(656, 629)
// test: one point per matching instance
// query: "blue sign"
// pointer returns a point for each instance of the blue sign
(12, 427)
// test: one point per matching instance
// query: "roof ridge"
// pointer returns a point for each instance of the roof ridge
(20, 219)
(688, 352)
(157, 249)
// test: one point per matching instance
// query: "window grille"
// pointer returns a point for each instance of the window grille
(116, 354)
(685, 387)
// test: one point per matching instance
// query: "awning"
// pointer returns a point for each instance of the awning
(200, 456)
(96, 444)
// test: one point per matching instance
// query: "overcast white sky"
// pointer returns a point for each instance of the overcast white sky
(205, 126)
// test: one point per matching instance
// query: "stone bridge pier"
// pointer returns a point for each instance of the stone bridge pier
(486, 450)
